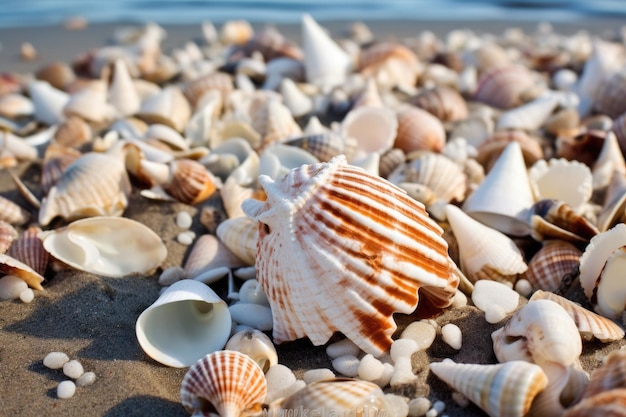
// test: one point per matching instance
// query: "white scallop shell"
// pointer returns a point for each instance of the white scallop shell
(108, 246)
(546, 179)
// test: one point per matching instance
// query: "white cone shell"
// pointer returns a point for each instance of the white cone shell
(122, 92)
(48, 101)
(184, 324)
(529, 116)
(504, 197)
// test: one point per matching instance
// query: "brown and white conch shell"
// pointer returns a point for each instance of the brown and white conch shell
(331, 225)
(107, 246)
(338, 396)
(93, 185)
(501, 390)
(226, 383)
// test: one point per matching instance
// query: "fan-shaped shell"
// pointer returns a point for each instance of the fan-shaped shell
(29, 249)
(225, 382)
(502, 390)
(331, 225)
(108, 246)
(324, 146)
(443, 102)
(240, 235)
(93, 185)
(502, 86)
(548, 266)
(190, 182)
(611, 375)
(419, 130)
(337, 396)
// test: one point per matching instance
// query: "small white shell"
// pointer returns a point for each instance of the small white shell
(255, 344)
(547, 181)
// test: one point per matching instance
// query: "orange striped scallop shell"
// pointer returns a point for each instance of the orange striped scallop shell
(343, 250)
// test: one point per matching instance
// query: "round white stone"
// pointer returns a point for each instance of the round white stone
(27, 295)
(85, 379)
(319, 374)
(73, 369)
(489, 295)
(342, 348)
(186, 238)
(278, 378)
(385, 378)
(397, 405)
(55, 360)
(439, 406)
(495, 315)
(347, 365)
(66, 389)
(419, 406)
(370, 368)
(171, 275)
(422, 332)
(459, 300)
(523, 287)
(11, 287)
(403, 348)
(252, 292)
(184, 220)
(253, 315)
(451, 334)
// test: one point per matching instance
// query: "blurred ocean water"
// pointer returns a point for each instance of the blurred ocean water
(16, 13)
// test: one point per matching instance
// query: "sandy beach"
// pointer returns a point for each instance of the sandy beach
(92, 318)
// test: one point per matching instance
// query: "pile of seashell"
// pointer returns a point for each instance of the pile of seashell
(360, 179)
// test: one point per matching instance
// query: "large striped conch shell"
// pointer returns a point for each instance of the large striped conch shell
(502, 390)
(331, 226)
(226, 382)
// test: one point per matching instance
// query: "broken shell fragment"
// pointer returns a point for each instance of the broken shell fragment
(107, 246)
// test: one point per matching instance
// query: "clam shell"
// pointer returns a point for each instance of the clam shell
(58, 74)
(611, 375)
(255, 344)
(7, 235)
(419, 130)
(11, 266)
(390, 64)
(240, 235)
(336, 396)
(73, 132)
(503, 86)
(315, 219)
(445, 103)
(484, 253)
(373, 128)
(553, 219)
(547, 181)
(274, 122)
(56, 160)
(226, 382)
(29, 249)
(195, 89)
(502, 390)
(93, 185)
(107, 246)
(189, 182)
(12, 213)
(548, 266)
(207, 255)
(589, 324)
(168, 107)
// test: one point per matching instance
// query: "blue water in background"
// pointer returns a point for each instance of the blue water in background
(15, 13)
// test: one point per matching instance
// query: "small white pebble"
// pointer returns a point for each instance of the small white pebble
(73, 369)
(419, 406)
(186, 238)
(492, 295)
(184, 220)
(451, 334)
(55, 360)
(278, 378)
(523, 287)
(397, 405)
(495, 315)
(27, 295)
(288, 391)
(431, 413)
(460, 399)
(402, 347)
(402, 373)
(342, 348)
(385, 378)
(11, 287)
(370, 368)
(422, 332)
(171, 275)
(253, 315)
(439, 406)
(347, 365)
(252, 292)
(459, 300)
(319, 374)
(85, 379)
(66, 389)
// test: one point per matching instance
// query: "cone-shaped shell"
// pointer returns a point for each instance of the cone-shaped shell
(504, 197)
(108, 246)
(11, 266)
(484, 252)
(225, 382)
(93, 185)
(503, 390)
(589, 324)
(325, 63)
(122, 92)
(338, 396)
(29, 249)
(549, 265)
(331, 225)
(529, 116)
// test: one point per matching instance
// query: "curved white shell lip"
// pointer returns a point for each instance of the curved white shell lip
(546, 179)
(107, 246)
(184, 324)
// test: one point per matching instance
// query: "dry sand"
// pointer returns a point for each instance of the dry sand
(92, 318)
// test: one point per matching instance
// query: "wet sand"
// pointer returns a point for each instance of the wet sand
(92, 318)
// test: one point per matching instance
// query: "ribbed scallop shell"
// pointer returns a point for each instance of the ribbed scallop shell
(393, 63)
(324, 146)
(73, 132)
(274, 122)
(443, 102)
(548, 266)
(11, 266)
(503, 86)
(240, 235)
(219, 81)
(330, 226)
(502, 390)
(606, 404)
(611, 375)
(12, 213)
(190, 182)
(491, 148)
(29, 249)
(225, 382)
(418, 130)
(93, 185)
(7, 235)
(338, 396)
(589, 324)
(55, 161)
